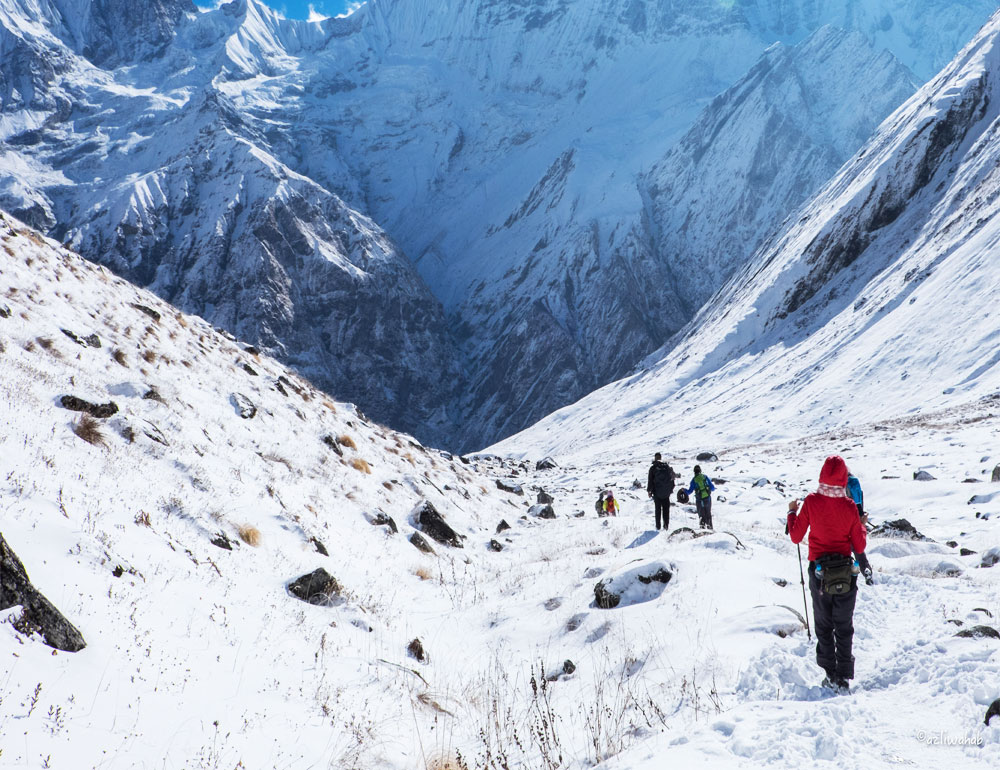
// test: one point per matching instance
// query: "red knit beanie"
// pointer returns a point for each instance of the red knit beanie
(834, 472)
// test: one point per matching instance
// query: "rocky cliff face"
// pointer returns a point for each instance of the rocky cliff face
(276, 176)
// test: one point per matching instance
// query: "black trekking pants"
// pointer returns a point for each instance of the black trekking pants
(833, 617)
(704, 506)
(662, 506)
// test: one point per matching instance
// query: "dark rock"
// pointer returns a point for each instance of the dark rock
(222, 541)
(331, 442)
(38, 614)
(899, 528)
(383, 520)
(249, 370)
(514, 489)
(983, 610)
(546, 464)
(686, 533)
(415, 650)
(780, 582)
(495, 546)
(717, 481)
(4, 311)
(544, 498)
(761, 482)
(971, 480)
(568, 667)
(662, 575)
(75, 337)
(244, 406)
(101, 411)
(636, 484)
(432, 523)
(465, 460)
(254, 351)
(421, 543)
(966, 552)
(542, 511)
(996, 474)
(318, 587)
(502, 526)
(604, 598)
(320, 548)
(118, 571)
(707, 457)
(979, 632)
(553, 604)
(955, 622)
(992, 711)
(147, 310)
(952, 544)
(153, 395)
(922, 476)
(279, 387)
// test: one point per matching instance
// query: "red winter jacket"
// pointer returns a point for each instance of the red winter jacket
(833, 523)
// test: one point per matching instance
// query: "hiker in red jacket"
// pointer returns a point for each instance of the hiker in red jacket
(835, 529)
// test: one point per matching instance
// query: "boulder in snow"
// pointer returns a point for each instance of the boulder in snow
(546, 464)
(502, 526)
(420, 543)
(514, 489)
(900, 528)
(922, 476)
(542, 511)
(244, 406)
(991, 557)
(996, 473)
(100, 411)
(707, 457)
(496, 546)
(432, 523)
(318, 587)
(544, 498)
(38, 614)
(761, 482)
(979, 632)
(382, 520)
(633, 586)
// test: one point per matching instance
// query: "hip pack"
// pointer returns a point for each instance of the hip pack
(835, 573)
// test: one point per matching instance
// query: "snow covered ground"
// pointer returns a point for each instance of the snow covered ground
(198, 657)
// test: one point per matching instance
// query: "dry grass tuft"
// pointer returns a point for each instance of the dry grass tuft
(249, 534)
(149, 356)
(360, 465)
(347, 441)
(329, 405)
(443, 763)
(89, 429)
(120, 357)
(143, 520)
(423, 573)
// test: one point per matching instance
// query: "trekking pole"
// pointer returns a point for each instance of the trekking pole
(802, 577)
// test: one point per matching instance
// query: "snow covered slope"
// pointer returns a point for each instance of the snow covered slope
(876, 301)
(197, 656)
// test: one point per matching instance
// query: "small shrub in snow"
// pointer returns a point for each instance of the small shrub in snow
(89, 429)
(360, 465)
(142, 519)
(423, 573)
(149, 356)
(347, 441)
(249, 534)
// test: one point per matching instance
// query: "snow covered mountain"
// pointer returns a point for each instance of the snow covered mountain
(172, 534)
(261, 172)
(876, 300)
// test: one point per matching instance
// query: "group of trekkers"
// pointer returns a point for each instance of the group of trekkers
(835, 519)
(660, 486)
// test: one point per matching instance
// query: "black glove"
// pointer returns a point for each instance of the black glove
(869, 580)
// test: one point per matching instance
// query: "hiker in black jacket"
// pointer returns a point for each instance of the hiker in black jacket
(660, 486)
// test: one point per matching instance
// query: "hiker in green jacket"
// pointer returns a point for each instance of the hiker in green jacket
(701, 487)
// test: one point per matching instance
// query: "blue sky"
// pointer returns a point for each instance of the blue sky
(300, 9)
